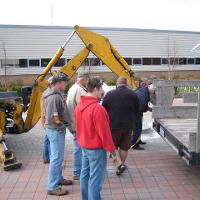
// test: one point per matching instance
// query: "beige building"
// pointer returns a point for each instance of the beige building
(25, 50)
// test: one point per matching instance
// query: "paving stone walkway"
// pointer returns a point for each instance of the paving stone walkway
(156, 173)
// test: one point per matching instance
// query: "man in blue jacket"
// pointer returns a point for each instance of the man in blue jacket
(143, 94)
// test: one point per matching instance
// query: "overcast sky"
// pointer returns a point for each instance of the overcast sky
(153, 14)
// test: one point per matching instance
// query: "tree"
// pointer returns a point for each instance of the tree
(5, 63)
(172, 56)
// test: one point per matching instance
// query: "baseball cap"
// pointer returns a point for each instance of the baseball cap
(58, 77)
(83, 75)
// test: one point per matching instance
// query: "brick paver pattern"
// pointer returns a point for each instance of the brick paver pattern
(156, 173)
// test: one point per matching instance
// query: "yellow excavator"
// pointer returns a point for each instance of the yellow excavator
(95, 43)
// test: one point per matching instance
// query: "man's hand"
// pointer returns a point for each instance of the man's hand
(114, 156)
(56, 120)
(43, 121)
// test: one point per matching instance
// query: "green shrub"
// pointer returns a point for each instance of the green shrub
(111, 82)
(162, 76)
(17, 88)
(176, 77)
(181, 90)
(189, 76)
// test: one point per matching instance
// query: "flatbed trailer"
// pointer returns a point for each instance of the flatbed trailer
(178, 123)
(178, 134)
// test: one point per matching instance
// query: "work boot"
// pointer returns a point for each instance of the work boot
(65, 182)
(137, 147)
(46, 161)
(57, 192)
(141, 142)
(76, 178)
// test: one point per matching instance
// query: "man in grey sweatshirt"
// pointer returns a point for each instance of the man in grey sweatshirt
(55, 128)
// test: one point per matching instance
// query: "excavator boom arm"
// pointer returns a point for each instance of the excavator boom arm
(103, 49)
(99, 46)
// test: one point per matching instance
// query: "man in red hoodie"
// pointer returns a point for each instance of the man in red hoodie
(94, 137)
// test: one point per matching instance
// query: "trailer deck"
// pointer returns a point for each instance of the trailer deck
(177, 133)
(179, 128)
(177, 119)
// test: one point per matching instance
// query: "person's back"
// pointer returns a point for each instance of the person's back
(122, 105)
(93, 125)
(94, 137)
(75, 92)
(144, 98)
(73, 98)
(143, 94)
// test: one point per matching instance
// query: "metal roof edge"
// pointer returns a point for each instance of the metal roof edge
(98, 28)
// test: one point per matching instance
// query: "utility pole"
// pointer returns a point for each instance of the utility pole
(51, 8)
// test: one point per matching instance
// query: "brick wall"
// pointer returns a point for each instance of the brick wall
(29, 79)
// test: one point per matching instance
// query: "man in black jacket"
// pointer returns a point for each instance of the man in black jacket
(121, 104)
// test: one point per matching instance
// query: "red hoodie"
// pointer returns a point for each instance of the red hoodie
(92, 125)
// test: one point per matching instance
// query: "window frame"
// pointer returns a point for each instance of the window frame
(149, 58)
(136, 63)
(131, 59)
(44, 59)
(32, 60)
(61, 64)
(152, 59)
(191, 63)
(26, 62)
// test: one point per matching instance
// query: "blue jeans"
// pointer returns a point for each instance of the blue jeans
(93, 173)
(77, 156)
(137, 130)
(46, 148)
(57, 147)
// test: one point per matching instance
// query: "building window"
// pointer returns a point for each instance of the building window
(60, 62)
(94, 62)
(128, 60)
(191, 61)
(23, 63)
(137, 61)
(165, 61)
(86, 62)
(182, 61)
(146, 61)
(34, 63)
(197, 61)
(173, 61)
(156, 61)
(45, 62)
(10, 62)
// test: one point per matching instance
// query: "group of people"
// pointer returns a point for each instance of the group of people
(113, 126)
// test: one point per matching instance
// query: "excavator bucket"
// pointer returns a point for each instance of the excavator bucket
(102, 48)
(7, 159)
